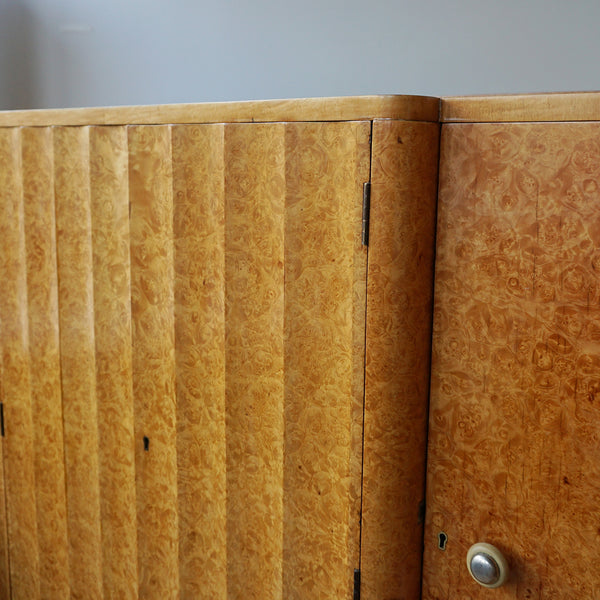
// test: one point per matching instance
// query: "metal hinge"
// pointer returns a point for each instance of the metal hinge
(366, 211)
(356, 594)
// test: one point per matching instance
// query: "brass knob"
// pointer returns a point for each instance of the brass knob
(487, 565)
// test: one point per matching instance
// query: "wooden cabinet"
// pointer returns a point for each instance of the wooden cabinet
(213, 388)
(199, 383)
(514, 417)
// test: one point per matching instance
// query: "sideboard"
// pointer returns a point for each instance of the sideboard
(225, 372)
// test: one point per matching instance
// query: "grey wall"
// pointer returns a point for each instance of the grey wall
(63, 53)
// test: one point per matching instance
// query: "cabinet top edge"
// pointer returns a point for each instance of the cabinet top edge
(351, 108)
(551, 107)
(511, 108)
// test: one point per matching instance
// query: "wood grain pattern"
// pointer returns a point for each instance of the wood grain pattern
(4, 564)
(570, 106)
(208, 292)
(254, 307)
(16, 386)
(513, 454)
(77, 358)
(199, 228)
(413, 108)
(152, 306)
(44, 352)
(326, 165)
(112, 329)
(400, 282)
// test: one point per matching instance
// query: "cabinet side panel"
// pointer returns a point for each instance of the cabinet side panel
(199, 229)
(78, 365)
(42, 284)
(18, 443)
(254, 259)
(326, 164)
(112, 288)
(152, 307)
(399, 312)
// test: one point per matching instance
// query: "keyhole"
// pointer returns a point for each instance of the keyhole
(442, 539)
(146, 443)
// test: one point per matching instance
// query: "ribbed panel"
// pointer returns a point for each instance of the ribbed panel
(109, 187)
(199, 226)
(254, 277)
(16, 380)
(182, 330)
(78, 358)
(325, 170)
(44, 348)
(153, 342)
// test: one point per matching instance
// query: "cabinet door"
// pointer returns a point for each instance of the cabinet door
(514, 458)
(183, 337)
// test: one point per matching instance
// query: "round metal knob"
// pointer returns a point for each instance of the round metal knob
(487, 565)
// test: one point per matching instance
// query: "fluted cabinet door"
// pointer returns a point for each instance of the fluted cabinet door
(515, 413)
(182, 333)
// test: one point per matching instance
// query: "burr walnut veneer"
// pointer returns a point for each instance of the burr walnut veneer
(189, 318)
(514, 453)
(213, 388)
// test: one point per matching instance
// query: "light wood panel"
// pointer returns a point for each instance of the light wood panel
(199, 229)
(293, 200)
(326, 166)
(570, 106)
(513, 453)
(112, 329)
(77, 358)
(414, 108)
(152, 307)
(254, 312)
(16, 386)
(400, 288)
(44, 353)
(179, 379)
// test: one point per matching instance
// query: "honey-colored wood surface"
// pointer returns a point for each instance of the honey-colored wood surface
(254, 321)
(183, 418)
(326, 166)
(44, 355)
(18, 448)
(570, 106)
(77, 357)
(153, 310)
(514, 421)
(400, 289)
(112, 328)
(414, 108)
(284, 215)
(199, 229)
(4, 565)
